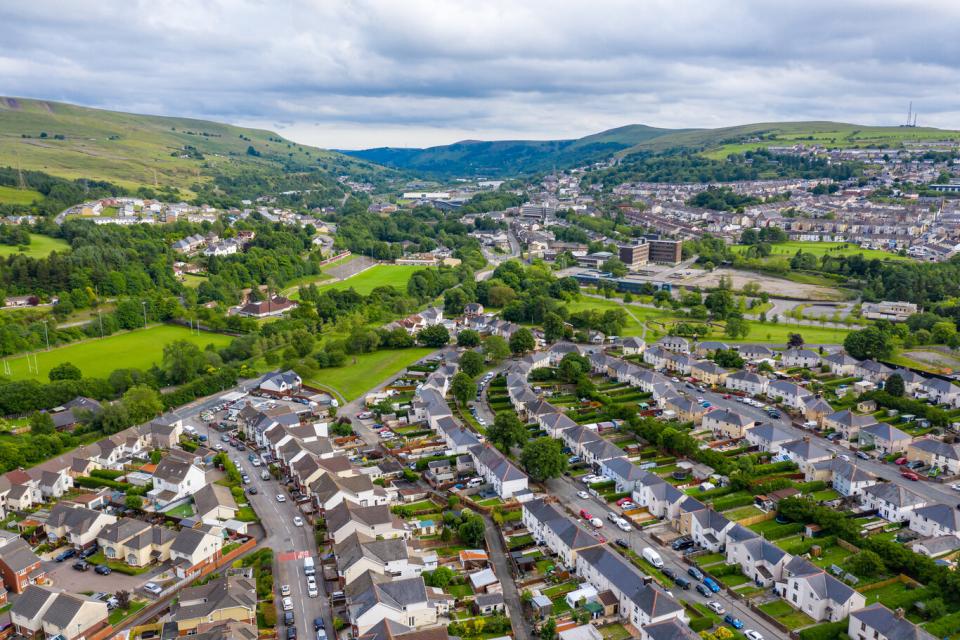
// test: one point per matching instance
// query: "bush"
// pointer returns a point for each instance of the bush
(109, 474)
(97, 483)
(701, 624)
(269, 613)
(732, 502)
(783, 531)
(825, 631)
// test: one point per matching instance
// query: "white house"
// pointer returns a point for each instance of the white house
(747, 382)
(800, 358)
(817, 593)
(497, 470)
(936, 520)
(769, 437)
(174, 479)
(893, 501)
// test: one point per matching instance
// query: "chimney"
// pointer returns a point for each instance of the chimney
(898, 613)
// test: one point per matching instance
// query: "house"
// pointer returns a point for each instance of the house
(372, 599)
(872, 371)
(847, 478)
(220, 600)
(686, 410)
(175, 479)
(876, 622)
(769, 437)
(215, 502)
(940, 391)
(623, 472)
(816, 409)
(274, 306)
(497, 470)
(659, 497)
(800, 358)
(193, 549)
(787, 393)
(639, 603)
(19, 565)
(885, 438)
(893, 501)
(727, 423)
(847, 423)
(805, 453)
(841, 364)
(674, 343)
(705, 348)
(816, 593)
(372, 521)
(708, 372)
(708, 528)
(135, 542)
(67, 416)
(486, 604)
(485, 581)
(747, 382)
(934, 547)
(552, 527)
(671, 629)
(632, 346)
(936, 453)
(759, 560)
(755, 352)
(287, 383)
(77, 524)
(358, 554)
(52, 613)
(656, 357)
(935, 519)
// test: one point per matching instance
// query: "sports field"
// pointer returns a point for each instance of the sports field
(825, 248)
(12, 195)
(381, 275)
(39, 247)
(98, 357)
(370, 369)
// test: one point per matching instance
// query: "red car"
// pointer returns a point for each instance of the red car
(621, 501)
(900, 461)
(585, 514)
(909, 475)
(726, 396)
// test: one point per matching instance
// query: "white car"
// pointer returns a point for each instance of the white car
(587, 479)
(298, 521)
(153, 588)
(284, 590)
(753, 635)
(256, 462)
(844, 457)
(955, 486)
(287, 604)
(281, 497)
(583, 495)
(624, 525)
(596, 522)
(312, 591)
(716, 607)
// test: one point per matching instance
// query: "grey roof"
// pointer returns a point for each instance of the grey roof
(347, 511)
(850, 471)
(806, 449)
(850, 419)
(672, 629)
(71, 516)
(786, 389)
(889, 625)
(943, 386)
(771, 433)
(730, 417)
(572, 534)
(172, 470)
(18, 556)
(629, 581)
(623, 468)
(213, 496)
(746, 376)
(357, 546)
(498, 464)
(756, 350)
(951, 451)
(711, 520)
(188, 540)
(886, 432)
(369, 589)
(761, 549)
(942, 514)
(895, 494)
(222, 593)
(825, 586)
(32, 601)
(841, 358)
(739, 533)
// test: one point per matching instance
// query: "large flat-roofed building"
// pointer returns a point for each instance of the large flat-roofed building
(635, 255)
(665, 251)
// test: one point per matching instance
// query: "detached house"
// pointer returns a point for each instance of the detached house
(175, 479)
(813, 591)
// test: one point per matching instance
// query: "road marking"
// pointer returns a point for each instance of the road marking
(292, 555)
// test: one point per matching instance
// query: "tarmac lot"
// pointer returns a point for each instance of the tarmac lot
(64, 576)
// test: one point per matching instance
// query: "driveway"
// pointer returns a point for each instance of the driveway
(64, 576)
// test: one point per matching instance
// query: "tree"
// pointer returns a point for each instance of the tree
(436, 336)
(471, 530)
(615, 267)
(182, 361)
(65, 371)
(439, 577)
(720, 303)
(728, 358)
(471, 363)
(794, 341)
(468, 339)
(553, 328)
(868, 343)
(41, 423)
(543, 458)
(133, 502)
(866, 564)
(548, 630)
(495, 348)
(737, 327)
(943, 332)
(572, 366)
(522, 341)
(123, 599)
(463, 388)
(894, 386)
(142, 403)
(506, 431)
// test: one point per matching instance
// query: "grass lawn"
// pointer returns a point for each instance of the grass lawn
(382, 275)
(366, 371)
(192, 280)
(247, 514)
(117, 565)
(742, 512)
(12, 195)
(460, 590)
(777, 333)
(183, 511)
(788, 249)
(709, 559)
(826, 494)
(39, 247)
(786, 614)
(96, 358)
(891, 595)
(614, 632)
(490, 502)
(119, 614)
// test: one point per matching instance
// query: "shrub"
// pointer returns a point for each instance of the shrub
(701, 624)
(825, 631)
(732, 502)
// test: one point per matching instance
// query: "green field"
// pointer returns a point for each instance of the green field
(98, 357)
(12, 195)
(381, 275)
(778, 333)
(370, 369)
(39, 247)
(192, 280)
(824, 248)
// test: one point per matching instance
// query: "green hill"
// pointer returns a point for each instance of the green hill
(138, 150)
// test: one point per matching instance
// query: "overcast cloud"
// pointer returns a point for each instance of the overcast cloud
(353, 74)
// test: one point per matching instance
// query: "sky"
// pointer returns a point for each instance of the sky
(350, 74)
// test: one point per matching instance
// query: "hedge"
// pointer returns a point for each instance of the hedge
(724, 570)
(701, 624)
(946, 626)
(783, 531)
(109, 474)
(732, 502)
(97, 483)
(810, 487)
(825, 631)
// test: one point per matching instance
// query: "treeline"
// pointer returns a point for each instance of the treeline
(492, 201)
(58, 193)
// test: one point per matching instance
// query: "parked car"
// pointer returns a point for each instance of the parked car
(702, 590)
(622, 543)
(683, 583)
(66, 555)
(909, 475)
(712, 585)
(281, 498)
(863, 456)
(317, 624)
(695, 573)
(596, 522)
(297, 521)
(288, 618)
(681, 543)
(623, 525)
(900, 461)
(844, 457)
(81, 565)
(153, 588)
(583, 495)
(291, 633)
(612, 517)
(103, 570)
(586, 515)
(89, 551)
(287, 604)
(733, 621)
(752, 635)
(716, 607)
(284, 590)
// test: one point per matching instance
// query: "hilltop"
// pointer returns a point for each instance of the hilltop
(133, 150)
(511, 157)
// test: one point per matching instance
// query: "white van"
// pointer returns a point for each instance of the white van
(652, 557)
(308, 567)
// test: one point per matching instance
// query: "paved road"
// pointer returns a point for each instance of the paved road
(501, 565)
(565, 490)
(290, 544)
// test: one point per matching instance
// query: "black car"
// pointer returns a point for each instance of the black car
(65, 555)
(681, 544)
(86, 553)
(695, 573)
(683, 583)
(252, 491)
(291, 633)
(288, 618)
(81, 565)
(622, 543)
(670, 573)
(317, 624)
(241, 447)
(103, 569)
(702, 590)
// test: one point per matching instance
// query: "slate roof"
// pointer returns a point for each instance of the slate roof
(823, 585)
(629, 581)
(806, 449)
(886, 431)
(213, 496)
(889, 625)
(672, 629)
(222, 593)
(942, 514)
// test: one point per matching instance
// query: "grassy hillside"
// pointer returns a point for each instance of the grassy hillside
(719, 143)
(510, 157)
(137, 150)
